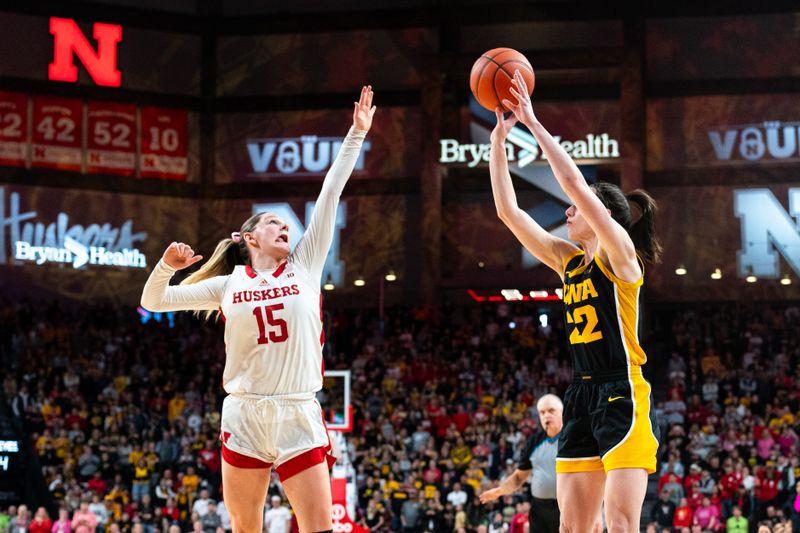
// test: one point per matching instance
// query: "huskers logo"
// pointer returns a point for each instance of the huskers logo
(577, 292)
(264, 295)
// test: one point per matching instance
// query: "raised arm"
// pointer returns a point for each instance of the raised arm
(313, 247)
(158, 295)
(614, 239)
(549, 249)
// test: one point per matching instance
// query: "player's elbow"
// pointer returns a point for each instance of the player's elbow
(573, 183)
(149, 303)
(505, 212)
(502, 214)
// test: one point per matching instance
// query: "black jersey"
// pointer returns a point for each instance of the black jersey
(602, 314)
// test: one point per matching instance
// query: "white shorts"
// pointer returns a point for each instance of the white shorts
(285, 432)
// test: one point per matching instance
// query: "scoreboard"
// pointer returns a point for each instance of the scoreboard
(12, 471)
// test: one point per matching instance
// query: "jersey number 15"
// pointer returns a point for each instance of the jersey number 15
(273, 335)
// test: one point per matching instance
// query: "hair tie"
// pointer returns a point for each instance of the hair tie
(236, 237)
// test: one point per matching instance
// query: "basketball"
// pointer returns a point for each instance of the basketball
(491, 75)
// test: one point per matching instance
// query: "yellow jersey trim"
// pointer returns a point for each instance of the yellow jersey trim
(572, 255)
(614, 279)
(577, 270)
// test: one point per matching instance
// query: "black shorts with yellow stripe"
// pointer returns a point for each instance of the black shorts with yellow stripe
(609, 423)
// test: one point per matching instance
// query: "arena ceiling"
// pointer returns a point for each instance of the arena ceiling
(364, 11)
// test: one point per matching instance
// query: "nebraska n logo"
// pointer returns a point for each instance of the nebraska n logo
(101, 64)
(767, 232)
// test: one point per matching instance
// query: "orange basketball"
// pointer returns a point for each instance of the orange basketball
(491, 75)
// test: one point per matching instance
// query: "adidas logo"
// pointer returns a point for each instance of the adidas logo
(263, 283)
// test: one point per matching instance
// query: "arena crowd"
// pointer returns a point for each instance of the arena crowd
(124, 416)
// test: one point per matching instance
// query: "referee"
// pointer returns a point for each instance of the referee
(538, 463)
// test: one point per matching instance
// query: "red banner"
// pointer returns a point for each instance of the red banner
(57, 133)
(163, 139)
(341, 520)
(111, 141)
(13, 129)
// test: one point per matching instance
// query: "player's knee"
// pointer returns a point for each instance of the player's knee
(243, 522)
(620, 524)
(572, 525)
(578, 523)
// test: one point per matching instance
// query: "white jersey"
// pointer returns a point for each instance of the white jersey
(273, 325)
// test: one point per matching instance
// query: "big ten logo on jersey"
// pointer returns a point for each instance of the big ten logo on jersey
(584, 317)
(334, 266)
(299, 156)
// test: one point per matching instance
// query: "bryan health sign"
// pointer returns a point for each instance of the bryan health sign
(25, 239)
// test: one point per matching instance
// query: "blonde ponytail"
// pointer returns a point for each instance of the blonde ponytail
(226, 256)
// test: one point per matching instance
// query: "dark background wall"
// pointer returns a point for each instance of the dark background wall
(664, 82)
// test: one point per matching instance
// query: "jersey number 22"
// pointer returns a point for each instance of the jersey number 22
(589, 334)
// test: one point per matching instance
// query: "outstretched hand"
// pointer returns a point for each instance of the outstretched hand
(179, 256)
(504, 126)
(522, 108)
(491, 495)
(364, 110)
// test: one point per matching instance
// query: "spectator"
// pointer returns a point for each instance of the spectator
(211, 520)
(100, 511)
(737, 523)
(411, 514)
(373, 516)
(683, 517)
(83, 520)
(147, 514)
(41, 522)
(63, 524)
(141, 479)
(663, 512)
(674, 409)
(201, 504)
(21, 522)
(169, 515)
(707, 516)
(497, 524)
(277, 518)
(673, 488)
(5, 517)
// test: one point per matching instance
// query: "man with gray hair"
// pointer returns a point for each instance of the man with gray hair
(538, 464)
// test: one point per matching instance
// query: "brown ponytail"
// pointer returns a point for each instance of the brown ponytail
(636, 213)
(643, 226)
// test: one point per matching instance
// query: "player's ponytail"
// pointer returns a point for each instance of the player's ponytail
(643, 225)
(226, 256)
(636, 213)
